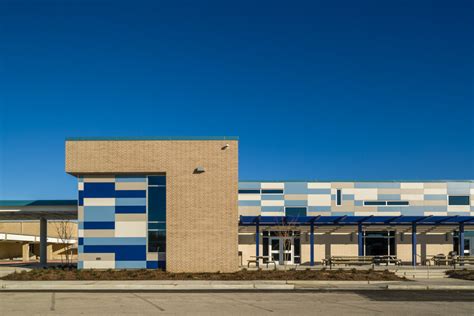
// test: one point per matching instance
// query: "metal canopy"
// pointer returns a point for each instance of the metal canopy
(38, 209)
(354, 220)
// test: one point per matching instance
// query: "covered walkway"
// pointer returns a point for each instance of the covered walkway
(39, 210)
(410, 224)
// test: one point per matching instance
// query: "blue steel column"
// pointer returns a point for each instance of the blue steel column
(413, 244)
(461, 240)
(360, 240)
(257, 241)
(311, 242)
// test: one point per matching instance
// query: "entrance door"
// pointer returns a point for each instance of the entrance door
(281, 250)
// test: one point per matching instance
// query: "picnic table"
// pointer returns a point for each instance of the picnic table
(256, 259)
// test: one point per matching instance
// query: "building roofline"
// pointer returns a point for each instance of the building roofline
(138, 138)
(354, 180)
(37, 202)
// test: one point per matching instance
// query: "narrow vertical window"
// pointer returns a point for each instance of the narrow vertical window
(157, 219)
(339, 197)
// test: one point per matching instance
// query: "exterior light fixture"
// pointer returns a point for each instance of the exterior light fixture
(225, 146)
(199, 169)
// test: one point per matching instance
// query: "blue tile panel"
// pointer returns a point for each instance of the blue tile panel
(319, 197)
(111, 232)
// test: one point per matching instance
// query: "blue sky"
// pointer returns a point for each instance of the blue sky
(315, 90)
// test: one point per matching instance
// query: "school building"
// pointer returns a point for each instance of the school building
(177, 203)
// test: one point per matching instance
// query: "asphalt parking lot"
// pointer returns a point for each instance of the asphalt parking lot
(218, 303)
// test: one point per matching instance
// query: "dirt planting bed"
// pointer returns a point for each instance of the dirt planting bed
(74, 274)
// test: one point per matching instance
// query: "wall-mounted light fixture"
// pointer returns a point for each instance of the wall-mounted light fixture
(225, 146)
(199, 169)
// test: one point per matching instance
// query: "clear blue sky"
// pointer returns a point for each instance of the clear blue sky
(315, 90)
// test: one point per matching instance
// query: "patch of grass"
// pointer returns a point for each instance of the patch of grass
(143, 274)
(461, 274)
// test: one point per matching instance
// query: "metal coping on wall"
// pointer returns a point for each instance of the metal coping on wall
(138, 138)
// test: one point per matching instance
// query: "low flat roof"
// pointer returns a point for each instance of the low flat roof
(37, 202)
(36, 209)
(118, 138)
(355, 220)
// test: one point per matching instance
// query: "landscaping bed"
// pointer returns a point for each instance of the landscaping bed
(74, 274)
(461, 274)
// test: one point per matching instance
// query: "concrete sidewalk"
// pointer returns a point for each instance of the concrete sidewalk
(155, 286)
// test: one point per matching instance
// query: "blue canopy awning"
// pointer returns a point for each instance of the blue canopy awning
(354, 220)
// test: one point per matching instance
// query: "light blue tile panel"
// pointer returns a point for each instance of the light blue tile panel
(114, 241)
(130, 264)
(342, 214)
(439, 197)
(358, 203)
(273, 209)
(458, 188)
(296, 188)
(296, 202)
(388, 197)
(348, 197)
(249, 185)
(130, 201)
(80, 265)
(249, 203)
(319, 208)
(277, 197)
(99, 213)
(378, 185)
(319, 191)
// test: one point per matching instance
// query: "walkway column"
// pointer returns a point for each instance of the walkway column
(257, 241)
(360, 240)
(25, 251)
(461, 241)
(413, 245)
(311, 243)
(43, 240)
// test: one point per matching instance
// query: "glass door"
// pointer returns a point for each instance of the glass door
(275, 249)
(287, 250)
(281, 250)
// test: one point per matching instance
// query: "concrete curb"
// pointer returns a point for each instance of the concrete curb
(430, 287)
(199, 285)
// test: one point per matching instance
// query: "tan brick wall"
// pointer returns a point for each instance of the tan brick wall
(31, 228)
(202, 218)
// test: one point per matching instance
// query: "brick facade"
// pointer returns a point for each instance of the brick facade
(202, 216)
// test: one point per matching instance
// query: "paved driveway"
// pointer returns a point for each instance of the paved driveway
(218, 303)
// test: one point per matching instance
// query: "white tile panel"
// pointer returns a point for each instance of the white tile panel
(319, 200)
(250, 197)
(99, 202)
(272, 185)
(459, 208)
(130, 229)
(427, 213)
(273, 213)
(411, 185)
(412, 197)
(319, 185)
(273, 203)
(365, 194)
(99, 264)
(377, 213)
(435, 191)
(80, 186)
